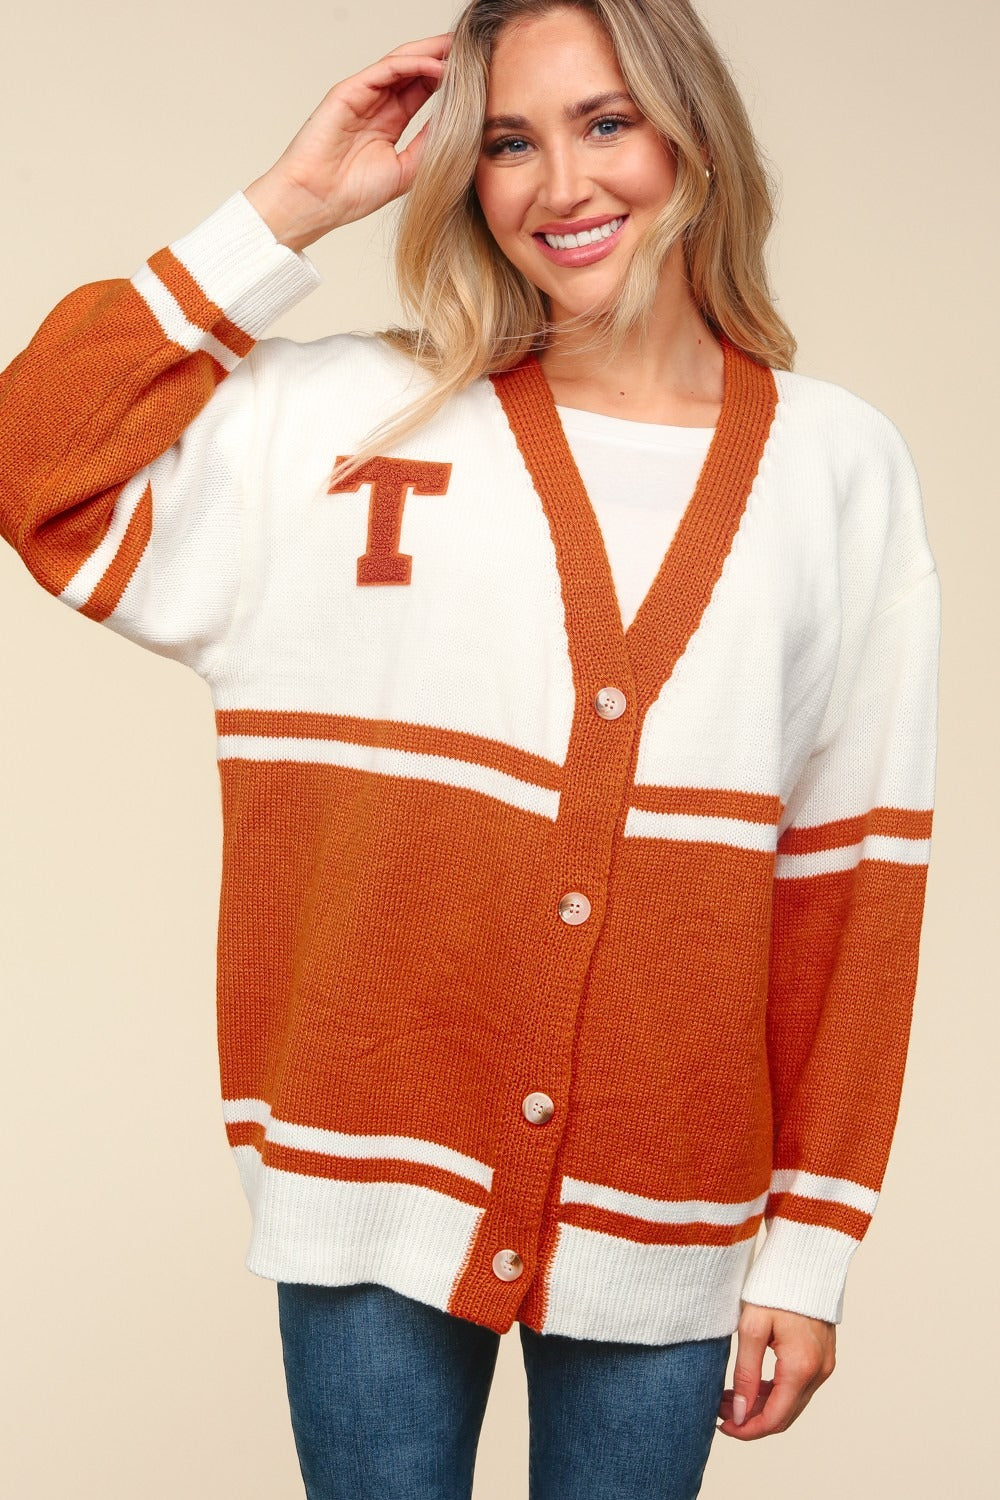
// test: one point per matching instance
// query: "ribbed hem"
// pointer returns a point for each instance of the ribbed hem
(333, 1232)
(241, 267)
(802, 1268)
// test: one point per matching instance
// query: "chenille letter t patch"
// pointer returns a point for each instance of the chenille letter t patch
(391, 480)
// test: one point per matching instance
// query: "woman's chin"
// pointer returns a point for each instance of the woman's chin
(579, 307)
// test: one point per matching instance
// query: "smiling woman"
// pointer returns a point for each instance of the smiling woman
(594, 111)
(574, 670)
(572, 169)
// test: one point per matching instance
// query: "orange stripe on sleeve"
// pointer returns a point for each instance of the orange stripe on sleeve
(107, 595)
(196, 306)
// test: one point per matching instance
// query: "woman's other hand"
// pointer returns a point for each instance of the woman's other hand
(805, 1352)
(343, 163)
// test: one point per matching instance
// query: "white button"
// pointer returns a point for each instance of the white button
(508, 1265)
(610, 703)
(574, 908)
(537, 1108)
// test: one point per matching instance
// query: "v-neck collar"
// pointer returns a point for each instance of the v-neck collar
(673, 606)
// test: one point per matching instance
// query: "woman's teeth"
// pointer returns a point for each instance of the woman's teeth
(588, 237)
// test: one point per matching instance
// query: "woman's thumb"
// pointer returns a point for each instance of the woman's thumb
(409, 157)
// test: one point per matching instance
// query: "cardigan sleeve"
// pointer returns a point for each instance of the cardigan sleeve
(126, 426)
(848, 896)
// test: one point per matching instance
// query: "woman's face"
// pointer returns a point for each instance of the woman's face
(566, 151)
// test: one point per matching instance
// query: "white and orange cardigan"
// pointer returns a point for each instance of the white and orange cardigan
(553, 958)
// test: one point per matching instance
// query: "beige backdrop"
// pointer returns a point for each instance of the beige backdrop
(139, 1357)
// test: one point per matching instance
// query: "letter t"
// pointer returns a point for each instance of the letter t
(390, 479)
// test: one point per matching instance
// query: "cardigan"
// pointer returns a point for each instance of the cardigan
(555, 960)
(637, 519)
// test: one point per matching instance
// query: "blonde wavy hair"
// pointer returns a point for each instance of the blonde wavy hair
(476, 314)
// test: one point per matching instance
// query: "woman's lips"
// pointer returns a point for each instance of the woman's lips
(582, 255)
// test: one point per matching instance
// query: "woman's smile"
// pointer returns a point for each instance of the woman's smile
(591, 241)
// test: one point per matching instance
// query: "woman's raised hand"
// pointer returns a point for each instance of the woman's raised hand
(343, 163)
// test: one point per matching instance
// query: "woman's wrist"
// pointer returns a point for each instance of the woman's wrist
(294, 217)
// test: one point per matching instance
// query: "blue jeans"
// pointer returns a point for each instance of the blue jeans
(387, 1397)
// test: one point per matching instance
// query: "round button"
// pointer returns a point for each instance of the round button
(538, 1108)
(508, 1265)
(610, 703)
(574, 908)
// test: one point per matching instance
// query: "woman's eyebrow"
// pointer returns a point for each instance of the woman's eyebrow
(572, 111)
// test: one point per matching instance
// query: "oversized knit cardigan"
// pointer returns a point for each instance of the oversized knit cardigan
(554, 959)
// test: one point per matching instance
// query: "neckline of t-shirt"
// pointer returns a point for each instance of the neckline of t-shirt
(625, 430)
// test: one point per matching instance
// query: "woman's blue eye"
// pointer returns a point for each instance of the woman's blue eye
(620, 122)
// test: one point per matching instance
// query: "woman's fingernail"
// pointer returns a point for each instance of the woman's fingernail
(739, 1409)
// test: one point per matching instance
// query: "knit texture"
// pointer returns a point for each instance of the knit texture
(529, 1008)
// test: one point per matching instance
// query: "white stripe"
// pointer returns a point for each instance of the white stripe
(696, 828)
(359, 1147)
(832, 1189)
(600, 1286)
(240, 1111)
(660, 1210)
(89, 574)
(171, 317)
(409, 763)
(328, 1232)
(876, 846)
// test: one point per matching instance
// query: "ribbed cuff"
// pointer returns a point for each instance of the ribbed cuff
(239, 264)
(802, 1268)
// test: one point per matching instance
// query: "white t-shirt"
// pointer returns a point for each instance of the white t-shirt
(640, 477)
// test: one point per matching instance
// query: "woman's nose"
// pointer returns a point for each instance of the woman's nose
(564, 184)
